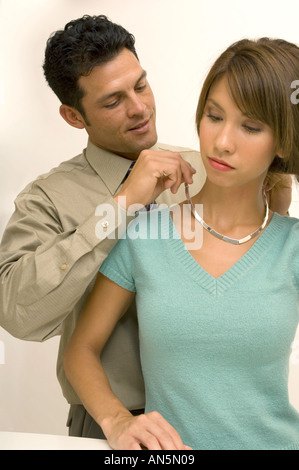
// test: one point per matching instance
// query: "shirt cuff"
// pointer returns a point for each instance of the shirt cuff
(109, 221)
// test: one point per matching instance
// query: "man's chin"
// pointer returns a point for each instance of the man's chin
(133, 147)
(146, 143)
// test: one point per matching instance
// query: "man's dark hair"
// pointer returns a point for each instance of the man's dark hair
(78, 48)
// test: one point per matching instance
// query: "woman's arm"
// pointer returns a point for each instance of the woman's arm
(106, 304)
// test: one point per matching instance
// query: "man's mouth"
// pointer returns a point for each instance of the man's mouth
(141, 127)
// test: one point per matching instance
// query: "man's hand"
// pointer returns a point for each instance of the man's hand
(153, 172)
(147, 431)
(279, 192)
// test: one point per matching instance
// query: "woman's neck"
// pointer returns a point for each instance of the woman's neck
(231, 209)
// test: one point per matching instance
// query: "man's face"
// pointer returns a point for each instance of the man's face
(119, 106)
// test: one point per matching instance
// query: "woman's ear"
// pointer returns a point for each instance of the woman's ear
(72, 116)
(279, 153)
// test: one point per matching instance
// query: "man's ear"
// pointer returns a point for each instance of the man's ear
(72, 116)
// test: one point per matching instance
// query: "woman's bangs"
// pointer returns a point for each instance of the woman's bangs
(248, 92)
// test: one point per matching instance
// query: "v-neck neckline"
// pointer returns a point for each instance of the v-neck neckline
(239, 268)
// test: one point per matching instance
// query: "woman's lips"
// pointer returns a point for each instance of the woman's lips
(219, 165)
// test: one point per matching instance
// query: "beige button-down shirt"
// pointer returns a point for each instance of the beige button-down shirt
(64, 225)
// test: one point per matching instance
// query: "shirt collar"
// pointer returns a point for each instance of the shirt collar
(110, 167)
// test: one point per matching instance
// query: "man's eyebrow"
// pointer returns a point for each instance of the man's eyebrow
(142, 76)
(118, 92)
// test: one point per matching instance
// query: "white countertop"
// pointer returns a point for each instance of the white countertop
(29, 441)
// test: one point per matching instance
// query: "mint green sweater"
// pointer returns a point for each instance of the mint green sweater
(215, 352)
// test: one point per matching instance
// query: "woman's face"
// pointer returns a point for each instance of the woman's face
(236, 150)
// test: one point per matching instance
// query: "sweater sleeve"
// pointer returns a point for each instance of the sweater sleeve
(118, 265)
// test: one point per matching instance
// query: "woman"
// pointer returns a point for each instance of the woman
(216, 321)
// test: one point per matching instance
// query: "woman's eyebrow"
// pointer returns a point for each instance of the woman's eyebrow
(215, 104)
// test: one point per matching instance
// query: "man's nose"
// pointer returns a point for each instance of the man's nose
(135, 106)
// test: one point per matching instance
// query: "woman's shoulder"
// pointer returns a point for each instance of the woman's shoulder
(288, 222)
(287, 230)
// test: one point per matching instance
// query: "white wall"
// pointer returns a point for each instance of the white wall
(177, 41)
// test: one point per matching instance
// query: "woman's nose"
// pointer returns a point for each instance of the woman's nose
(225, 139)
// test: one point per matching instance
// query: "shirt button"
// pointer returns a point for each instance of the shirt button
(105, 225)
(63, 267)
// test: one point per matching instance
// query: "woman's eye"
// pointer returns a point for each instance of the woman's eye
(251, 129)
(213, 117)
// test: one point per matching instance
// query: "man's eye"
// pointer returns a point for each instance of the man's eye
(141, 87)
(112, 105)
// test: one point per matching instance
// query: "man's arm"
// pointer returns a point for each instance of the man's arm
(44, 271)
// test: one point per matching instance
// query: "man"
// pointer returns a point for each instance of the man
(66, 222)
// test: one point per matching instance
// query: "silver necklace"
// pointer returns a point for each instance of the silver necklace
(234, 241)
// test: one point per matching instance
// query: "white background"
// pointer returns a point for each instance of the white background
(177, 41)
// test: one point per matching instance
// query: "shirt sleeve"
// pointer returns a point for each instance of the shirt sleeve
(118, 265)
(44, 270)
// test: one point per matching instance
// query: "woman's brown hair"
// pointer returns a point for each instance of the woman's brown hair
(260, 74)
